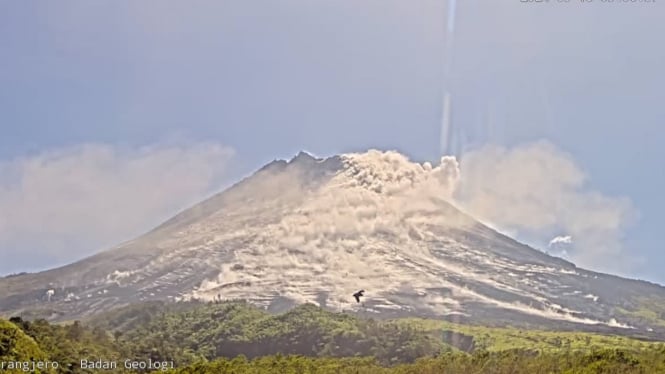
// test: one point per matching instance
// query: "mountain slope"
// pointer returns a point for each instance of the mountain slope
(315, 230)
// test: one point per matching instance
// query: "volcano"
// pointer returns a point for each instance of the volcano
(316, 230)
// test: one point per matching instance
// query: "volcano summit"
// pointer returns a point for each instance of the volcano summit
(317, 230)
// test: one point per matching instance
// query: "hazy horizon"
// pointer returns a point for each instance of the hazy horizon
(115, 116)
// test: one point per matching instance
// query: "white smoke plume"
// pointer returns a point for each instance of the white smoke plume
(535, 190)
(335, 229)
(531, 191)
(559, 245)
(560, 240)
(370, 226)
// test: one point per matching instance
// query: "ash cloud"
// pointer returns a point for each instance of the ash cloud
(531, 192)
(63, 204)
(371, 226)
(535, 190)
(337, 231)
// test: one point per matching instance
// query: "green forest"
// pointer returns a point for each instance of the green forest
(236, 337)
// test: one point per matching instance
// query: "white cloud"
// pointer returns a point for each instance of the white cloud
(537, 190)
(71, 202)
(531, 192)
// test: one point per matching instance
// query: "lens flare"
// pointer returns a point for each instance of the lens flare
(448, 133)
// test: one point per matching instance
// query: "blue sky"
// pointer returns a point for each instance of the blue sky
(105, 106)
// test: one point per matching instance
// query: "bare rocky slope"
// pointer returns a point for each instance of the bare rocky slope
(317, 230)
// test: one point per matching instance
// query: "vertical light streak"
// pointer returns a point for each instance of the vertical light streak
(447, 129)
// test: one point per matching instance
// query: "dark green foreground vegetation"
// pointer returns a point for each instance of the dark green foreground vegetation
(234, 337)
(508, 362)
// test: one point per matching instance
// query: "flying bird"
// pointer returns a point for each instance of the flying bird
(358, 294)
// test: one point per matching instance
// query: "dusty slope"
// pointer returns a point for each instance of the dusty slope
(318, 230)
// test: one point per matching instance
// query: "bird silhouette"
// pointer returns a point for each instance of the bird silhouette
(358, 294)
